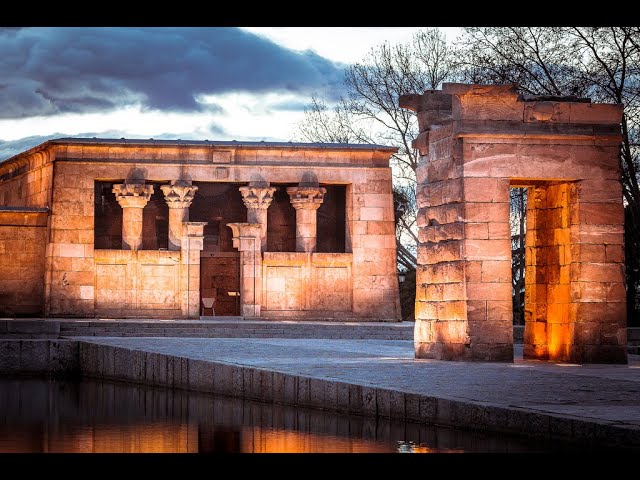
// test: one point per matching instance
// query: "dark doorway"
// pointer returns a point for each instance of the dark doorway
(219, 204)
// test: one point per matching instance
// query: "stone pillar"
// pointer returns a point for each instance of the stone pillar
(257, 200)
(306, 201)
(192, 238)
(132, 197)
(179, 195)
(246, 238)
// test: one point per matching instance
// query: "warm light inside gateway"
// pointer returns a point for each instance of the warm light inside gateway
(548, 325)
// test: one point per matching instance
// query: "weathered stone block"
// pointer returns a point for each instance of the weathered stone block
(444, 272)
(342, 397)
(447, 251)
(487, 249)
(486, 190)
(489, 291)
(369, 400)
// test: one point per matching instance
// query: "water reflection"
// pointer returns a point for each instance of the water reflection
(44, 415)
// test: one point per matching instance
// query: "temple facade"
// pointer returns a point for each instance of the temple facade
(182, 229)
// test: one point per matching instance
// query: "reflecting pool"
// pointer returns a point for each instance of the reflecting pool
(49, 415)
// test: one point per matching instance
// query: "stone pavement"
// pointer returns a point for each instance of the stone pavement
(591, 403)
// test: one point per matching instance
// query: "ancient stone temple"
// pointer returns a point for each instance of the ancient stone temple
(179, 229)
(475, 143)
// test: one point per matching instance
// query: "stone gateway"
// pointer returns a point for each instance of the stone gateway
(476, 142)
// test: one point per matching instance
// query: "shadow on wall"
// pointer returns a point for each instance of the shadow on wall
(408, 296)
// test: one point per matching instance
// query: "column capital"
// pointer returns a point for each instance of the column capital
(306, 197)
(257, 197)
(192, 236)
(179, 194)
(132, 195)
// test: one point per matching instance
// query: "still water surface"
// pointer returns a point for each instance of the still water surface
(47, 415)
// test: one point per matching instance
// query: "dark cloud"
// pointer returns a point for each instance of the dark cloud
(217, 130)
(52, 70)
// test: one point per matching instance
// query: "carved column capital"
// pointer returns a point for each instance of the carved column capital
(179, 194)
(132, 195)
(309, 198)
(257, 197)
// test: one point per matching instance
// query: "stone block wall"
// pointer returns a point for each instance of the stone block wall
(145, 283)
(311, 285)
(549, 329)
(27, 182)
(69, 283)
(371, 239)
(22, 246)
(25, 189)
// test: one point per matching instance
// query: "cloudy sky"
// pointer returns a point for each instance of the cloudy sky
(216, 83)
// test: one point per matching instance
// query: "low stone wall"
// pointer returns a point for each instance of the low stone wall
(48, 357)
(145, 283)
(307, 285)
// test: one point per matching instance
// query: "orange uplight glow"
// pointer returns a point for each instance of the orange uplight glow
(262, 440)
(549, 328)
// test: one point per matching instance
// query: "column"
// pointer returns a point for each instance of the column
(192, 238)
(246, 238)
(257, 200)
(132, 197)
(178, 195)
(306, 201)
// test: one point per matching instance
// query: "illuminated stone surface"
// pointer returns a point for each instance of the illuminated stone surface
(257, 200)
(179, 195)
(67, 258)
(306, 201)
(475, 143)
(132, 197)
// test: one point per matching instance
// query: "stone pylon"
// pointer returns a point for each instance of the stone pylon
(476, 142)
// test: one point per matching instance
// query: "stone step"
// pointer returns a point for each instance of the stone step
(227, 327)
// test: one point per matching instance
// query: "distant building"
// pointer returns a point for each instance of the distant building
(178, 229)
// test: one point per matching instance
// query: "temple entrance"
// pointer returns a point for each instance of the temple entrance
(220, 281)
(218, 204)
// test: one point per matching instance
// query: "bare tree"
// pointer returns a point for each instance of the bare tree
(598, 62)
(389, 71)
(517, 221)
(369, 112)
(330, 125)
